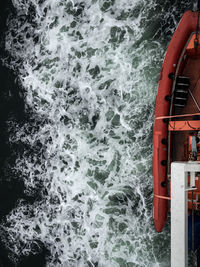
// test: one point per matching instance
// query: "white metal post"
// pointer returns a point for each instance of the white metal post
(179, 210)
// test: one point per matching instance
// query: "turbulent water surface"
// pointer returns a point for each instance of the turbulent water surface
(89, 73)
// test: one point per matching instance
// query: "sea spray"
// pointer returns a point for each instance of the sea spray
(89, 71)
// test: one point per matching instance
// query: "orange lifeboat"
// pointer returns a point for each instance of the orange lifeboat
(176, 133)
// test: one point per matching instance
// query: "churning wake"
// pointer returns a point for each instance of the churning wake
(89, 73)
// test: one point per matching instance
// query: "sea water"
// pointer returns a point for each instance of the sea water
(89, 71)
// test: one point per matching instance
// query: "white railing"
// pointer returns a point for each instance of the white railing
(179, 210)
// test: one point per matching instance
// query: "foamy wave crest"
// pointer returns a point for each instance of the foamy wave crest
(89, 71)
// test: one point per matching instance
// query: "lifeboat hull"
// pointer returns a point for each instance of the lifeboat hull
(184, 30)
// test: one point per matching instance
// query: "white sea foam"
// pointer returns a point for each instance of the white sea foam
(90, 78)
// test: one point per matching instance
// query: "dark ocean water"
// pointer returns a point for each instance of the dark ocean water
(79, 81)
(12, 107)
